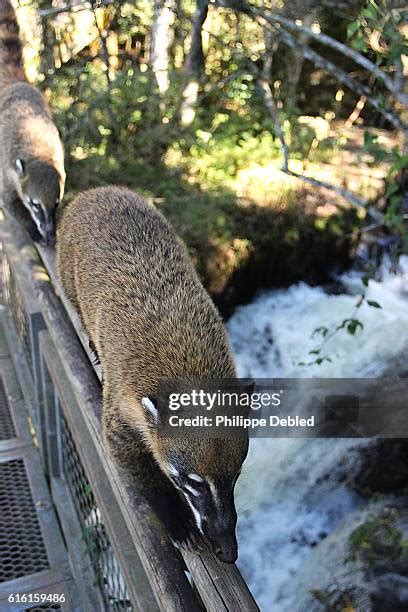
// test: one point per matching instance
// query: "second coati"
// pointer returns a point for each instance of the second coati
(32, 174)
(130, 277)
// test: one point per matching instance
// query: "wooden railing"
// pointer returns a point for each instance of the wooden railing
(120, 555)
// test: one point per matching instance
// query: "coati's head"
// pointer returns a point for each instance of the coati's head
(205, 471)
(40, 188)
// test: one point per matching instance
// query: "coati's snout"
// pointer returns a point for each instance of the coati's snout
(205, 472)
(215, 506)
(40, 188)
(211, 501)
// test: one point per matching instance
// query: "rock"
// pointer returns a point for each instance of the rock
(382, 466)
(363, 565)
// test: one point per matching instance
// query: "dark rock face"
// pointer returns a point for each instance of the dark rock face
(382, 467)
(391, 593)
(363, 565)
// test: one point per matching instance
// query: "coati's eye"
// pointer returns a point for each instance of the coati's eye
(36, 207)
(20, 167)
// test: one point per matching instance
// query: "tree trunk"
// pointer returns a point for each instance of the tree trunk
(194, 66)
(162, 35)
(295, 66)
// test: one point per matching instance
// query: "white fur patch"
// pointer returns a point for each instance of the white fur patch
(148, 405)
(196, 477)
(36, 221)
(192, 491)
(172, 470)
(196, 514)
(214, 493)
(19, 167)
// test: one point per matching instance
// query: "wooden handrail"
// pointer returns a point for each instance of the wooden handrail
(220, 586)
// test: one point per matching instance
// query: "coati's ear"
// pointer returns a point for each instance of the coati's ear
(151, 412)
(20, 167)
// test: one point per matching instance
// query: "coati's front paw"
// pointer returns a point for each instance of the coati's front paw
(184, 534)
(180, 524)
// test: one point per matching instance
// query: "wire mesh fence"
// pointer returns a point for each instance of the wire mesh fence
(22, 548)
(14, 303)
(96, 543)
(7, 429)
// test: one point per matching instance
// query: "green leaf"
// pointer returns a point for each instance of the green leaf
(352, 28)
(353, 325)
(359, 43)
(391, 189)
(320, 330)
(320, 360)
(370, 12)
(401, 163)
(369, 139)
(374, 304)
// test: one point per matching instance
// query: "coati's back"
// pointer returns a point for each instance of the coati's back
(149, 318)
(128, 270)
(32, 174)
(11, 54)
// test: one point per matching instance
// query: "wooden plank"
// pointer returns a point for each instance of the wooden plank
(84, 577)
(221, 586)
(120, 538)
(163, 565)
(45, 582)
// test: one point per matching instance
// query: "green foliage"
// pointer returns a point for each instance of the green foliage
(376, 31)
(335, 599)
(377, 539)
(397, 162)
(351, 325)
(118, 129)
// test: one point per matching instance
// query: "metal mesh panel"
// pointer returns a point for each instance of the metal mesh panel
(7, 430)
(95, 538)
(15, 306)
(22, 549)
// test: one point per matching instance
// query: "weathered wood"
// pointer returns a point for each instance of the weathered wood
(129, 561)
(220, 586)
(163, 566)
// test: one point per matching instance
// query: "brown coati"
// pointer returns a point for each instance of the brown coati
(148, 317)
(32, 174)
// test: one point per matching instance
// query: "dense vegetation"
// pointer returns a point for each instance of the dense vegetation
(218, 110)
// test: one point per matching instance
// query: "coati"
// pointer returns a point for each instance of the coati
(32, 174)
(148, 317)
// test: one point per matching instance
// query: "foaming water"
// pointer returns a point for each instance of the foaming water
(289, 497)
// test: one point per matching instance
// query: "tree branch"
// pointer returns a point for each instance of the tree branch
(341, 48)
(343, 77)
(76, 8)
(274, 114)
(319, 61)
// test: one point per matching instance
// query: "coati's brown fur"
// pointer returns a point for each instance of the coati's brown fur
(148, 317)
(32, 174)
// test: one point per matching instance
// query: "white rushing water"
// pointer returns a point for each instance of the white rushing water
(288, 497)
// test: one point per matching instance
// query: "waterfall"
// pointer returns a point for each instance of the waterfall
(289, 497)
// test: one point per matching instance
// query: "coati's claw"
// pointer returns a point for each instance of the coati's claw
(188, 541)
(183, 533)
(132, 266)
